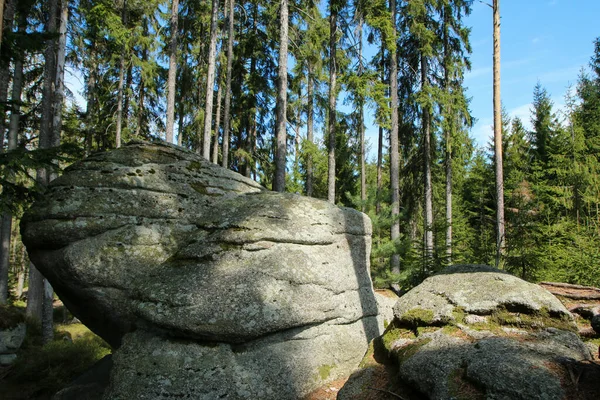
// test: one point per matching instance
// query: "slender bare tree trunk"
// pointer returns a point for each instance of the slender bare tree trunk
(17, 89)
(380, 142)
(394, 146)
(500, 233)
(227, 110)
(1, 20)
(172, 76)
(40, 295)
(142, 87)
(361, 124)
(21, 274)
(7, 18)
(332, 100)
(6, 227)
(6, 224)
(121, 84)
(215, 147)
(91, 94)
(59, 81)
(309, 128)
(180, 124)
(448, 197)
(280, 153)
(428, 209)
(449, 131)
(210, 80)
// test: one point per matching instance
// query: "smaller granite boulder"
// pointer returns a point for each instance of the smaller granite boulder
(12, 334)
(477, 332)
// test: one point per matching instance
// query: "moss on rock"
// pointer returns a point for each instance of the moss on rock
(417, 317)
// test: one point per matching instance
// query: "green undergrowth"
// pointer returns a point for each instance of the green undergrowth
(10, 316)
(41, 370)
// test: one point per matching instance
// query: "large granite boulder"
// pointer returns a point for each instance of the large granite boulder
(207, 283)
(473, 331)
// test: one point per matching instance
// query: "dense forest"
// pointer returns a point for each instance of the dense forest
(279, 92)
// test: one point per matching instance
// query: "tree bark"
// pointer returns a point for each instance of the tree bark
(332, 101)
(1, 20)
(428, 209)
(142, 87)
(6, 224)
(500, 232)
(7, 18)
(361, 123)
(449, 119)
(172, 76)
(6, 227)
(121, 84)
(210, 80)
(394, 146)
(59, 81)
(215, 147)
(380, 141)
(39, 295)
(227, 110)
(91, 93)
(309, 128)
(280, 153)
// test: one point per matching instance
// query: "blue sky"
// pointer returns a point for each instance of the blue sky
(545, 40)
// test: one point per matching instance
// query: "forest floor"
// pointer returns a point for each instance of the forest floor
(42, 370)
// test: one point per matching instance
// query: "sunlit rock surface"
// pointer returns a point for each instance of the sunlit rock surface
(209, 284)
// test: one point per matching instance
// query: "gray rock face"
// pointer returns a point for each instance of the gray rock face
(10, 341)
(200, 260)
(476, 331)
(479, 290)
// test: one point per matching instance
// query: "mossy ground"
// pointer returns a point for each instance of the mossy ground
(417, 317)
(40, 371)
(534, 321)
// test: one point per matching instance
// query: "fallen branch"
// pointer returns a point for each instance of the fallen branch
(387, 392)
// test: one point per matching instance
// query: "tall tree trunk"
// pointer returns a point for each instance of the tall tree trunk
(210, 80)
(361, 123)
(1, 20)
(449, 117)
(172, 76)
(21, 275)
(309, 128)
(6, 227)
(6, 224)
(449, 196)
(280, 150)
(8, 19)
(394, 146)
(180, 123)
(332, 100)
(227, 110)
(40, 296)
(215, 147)
(379, 170)
(428, 208)
(91, 94)
(121, 84)
(380, 141)
(59, 81)
(142, 85)
(500, 233)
